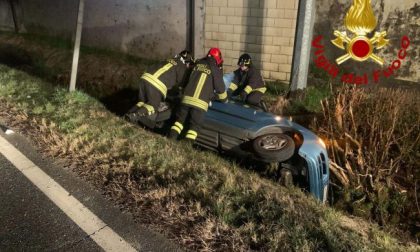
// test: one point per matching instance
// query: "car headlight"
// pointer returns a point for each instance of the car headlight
(322, 143)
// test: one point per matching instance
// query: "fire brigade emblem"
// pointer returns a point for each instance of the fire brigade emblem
(360, 20)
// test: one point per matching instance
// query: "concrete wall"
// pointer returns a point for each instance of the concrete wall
(263, 28)
(397, 17)
(150, 28)
(56, 18)
(6, 18)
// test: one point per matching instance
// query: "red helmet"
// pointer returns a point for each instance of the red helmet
(216, 54)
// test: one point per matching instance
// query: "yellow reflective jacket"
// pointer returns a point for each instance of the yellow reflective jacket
(165, 77)
(206, 81)
(249, 81)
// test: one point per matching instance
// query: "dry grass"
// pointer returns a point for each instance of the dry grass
(373, 137)
(280, 106)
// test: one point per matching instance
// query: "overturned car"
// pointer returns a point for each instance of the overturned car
(249, 132)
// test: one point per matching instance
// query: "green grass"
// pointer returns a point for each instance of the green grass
(300, 102)
(211, 194)
(311, 100)
(276, 88)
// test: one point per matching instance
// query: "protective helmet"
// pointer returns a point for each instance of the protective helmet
(244, 60)
(185, 57)
(216, 54)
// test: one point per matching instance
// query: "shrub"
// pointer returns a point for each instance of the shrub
(374, 141)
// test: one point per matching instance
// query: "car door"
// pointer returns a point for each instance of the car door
(226, 125)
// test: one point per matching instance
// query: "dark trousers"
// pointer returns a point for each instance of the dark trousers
(254, 98)
(187, 117)
(149, 96)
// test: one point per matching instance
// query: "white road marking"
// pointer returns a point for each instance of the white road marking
(103, 235)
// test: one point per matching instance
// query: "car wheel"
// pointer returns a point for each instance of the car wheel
(274, 147)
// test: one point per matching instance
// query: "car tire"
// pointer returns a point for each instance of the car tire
(274, 147)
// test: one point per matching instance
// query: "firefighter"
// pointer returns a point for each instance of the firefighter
(247, 82)
(206, 81)
(155, 83)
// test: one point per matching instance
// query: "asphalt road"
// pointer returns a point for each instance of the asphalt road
(29, 220)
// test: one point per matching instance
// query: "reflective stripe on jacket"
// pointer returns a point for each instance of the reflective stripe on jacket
(167, 76)
(249, 81)
(206, 79)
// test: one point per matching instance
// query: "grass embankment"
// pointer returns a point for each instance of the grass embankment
(200, 199)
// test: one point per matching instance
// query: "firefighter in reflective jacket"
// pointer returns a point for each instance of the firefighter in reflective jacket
(247, 82)
(155, 83)
(206, 81)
